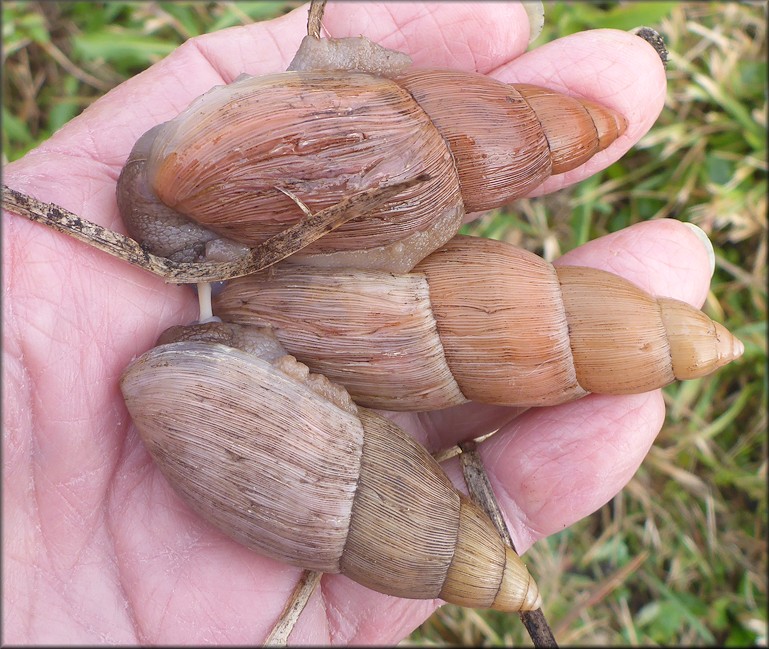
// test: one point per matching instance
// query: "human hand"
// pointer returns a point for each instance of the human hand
(99, 548)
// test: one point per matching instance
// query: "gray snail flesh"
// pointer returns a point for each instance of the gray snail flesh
(230, 170)
(283, 461)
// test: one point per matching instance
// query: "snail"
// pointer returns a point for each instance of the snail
(284, 462)
(246, 160)
(479, 320)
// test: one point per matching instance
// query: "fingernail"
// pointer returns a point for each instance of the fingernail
(705, 242)
(535, 10)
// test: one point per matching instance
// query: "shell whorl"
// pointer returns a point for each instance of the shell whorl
(625, 341)
(322, 315)
(508, 138)
(189, 402)
(560, 332)
(467, 562)
(698, 345)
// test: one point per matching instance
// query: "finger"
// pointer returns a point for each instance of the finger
(352, 615)
(439, 429)
(613, 68)
(552, 466)
(610, 67)
(476, 36)
(664, 257)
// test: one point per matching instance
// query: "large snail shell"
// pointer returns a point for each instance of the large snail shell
(480, 320)
(258, 449)
(324, 135)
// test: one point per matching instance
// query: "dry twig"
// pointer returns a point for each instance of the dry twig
(480, 490)
(282, 245)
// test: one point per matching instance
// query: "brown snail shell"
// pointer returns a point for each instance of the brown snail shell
(479, 320)
(233, 165)
(283, 461)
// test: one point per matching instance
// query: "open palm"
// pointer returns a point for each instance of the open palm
(98, 548)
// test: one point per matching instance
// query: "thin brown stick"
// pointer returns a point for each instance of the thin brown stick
(304, 589)
(481, 492)
(96, 236)
(282, 245)
(314, 17)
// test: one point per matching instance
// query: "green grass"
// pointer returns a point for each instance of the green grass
(680, 556)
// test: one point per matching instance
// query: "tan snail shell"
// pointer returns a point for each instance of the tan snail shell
(479, 320)
(283, 461)
(231, 167)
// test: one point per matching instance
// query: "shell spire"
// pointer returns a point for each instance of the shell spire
(642, 342)
(509, 138)
(698, 345)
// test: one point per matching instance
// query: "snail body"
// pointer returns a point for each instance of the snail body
(479, 320)
(284, 462)
(239, 163)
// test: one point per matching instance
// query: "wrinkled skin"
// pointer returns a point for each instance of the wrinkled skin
(98, 548)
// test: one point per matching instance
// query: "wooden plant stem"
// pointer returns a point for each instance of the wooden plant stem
(314, 16)
(83, 230)
(282, 245)
(304, 589)
(481, 492)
